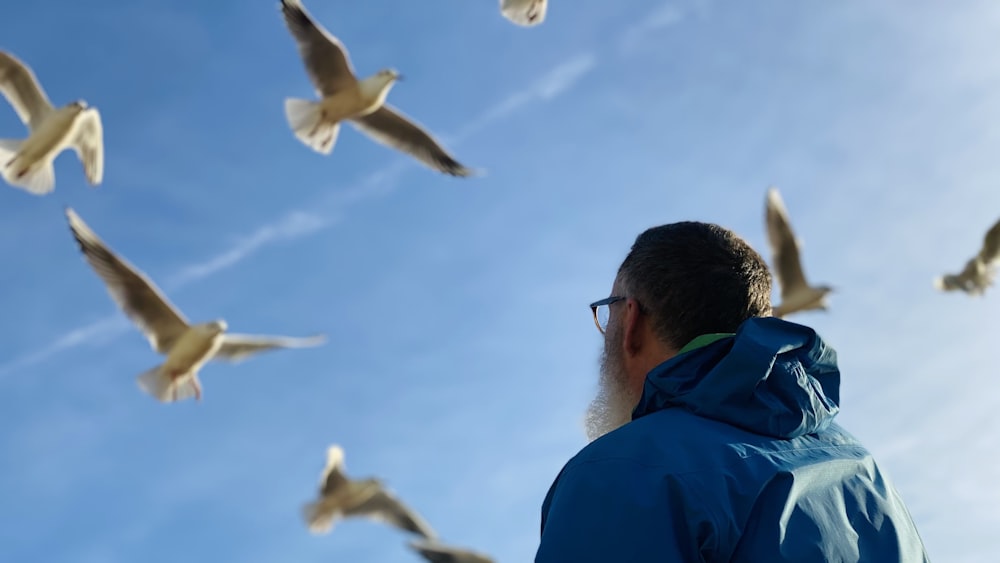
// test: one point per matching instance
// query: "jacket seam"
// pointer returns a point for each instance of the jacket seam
(634, 461)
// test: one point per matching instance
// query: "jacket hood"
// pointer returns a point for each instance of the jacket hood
(771, 377)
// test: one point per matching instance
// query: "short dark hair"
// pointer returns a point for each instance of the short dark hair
(694, 278)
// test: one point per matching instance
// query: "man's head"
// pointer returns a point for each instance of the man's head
(679, 281)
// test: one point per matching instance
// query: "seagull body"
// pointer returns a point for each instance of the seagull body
(796, 293)
(525, 13)
(187, 346)
(27, 163)
(345, 98)
(177, 377)
(358, 99)
(341, 497)
(436, 552)
(978, 273)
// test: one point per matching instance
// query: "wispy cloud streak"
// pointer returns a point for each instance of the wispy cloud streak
(298, 224)
(294, 225)
(552, 84)
(105, 329)
(662, 17)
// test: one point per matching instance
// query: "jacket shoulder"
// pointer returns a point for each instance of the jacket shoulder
(611, 506)
(677, 441)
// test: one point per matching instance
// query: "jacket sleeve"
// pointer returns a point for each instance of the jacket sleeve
(617, 510)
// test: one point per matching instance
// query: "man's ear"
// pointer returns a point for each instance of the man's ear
(634, 337)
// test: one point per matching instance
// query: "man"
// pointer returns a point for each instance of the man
(712, 433)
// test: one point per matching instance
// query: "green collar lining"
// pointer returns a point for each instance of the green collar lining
(704, 340)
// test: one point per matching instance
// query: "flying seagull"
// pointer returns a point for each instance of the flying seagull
(187, 347)
(27, 163)
(524, 12)
(436, 552)
(344, 97)
(340, 496)
(979, 270)
(796, 293)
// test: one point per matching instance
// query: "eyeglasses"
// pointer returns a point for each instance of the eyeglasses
(602, 311)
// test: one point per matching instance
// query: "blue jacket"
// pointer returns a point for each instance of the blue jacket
(732, 455)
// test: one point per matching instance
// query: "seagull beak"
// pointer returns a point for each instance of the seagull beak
(399, 77)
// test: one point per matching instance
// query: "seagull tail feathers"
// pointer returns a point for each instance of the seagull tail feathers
(526, 13)
(38, 179)
(166, 389)
(319, 521)
(305, 117)
(8, 150)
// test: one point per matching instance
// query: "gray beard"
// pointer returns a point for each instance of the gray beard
(612, 407)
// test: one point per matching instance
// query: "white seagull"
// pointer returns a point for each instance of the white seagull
(796, 293)
(437, 552)
(979, 270)
(27, 163)
(341, 497)
(187, 347)
(344, 97)
(524, 12)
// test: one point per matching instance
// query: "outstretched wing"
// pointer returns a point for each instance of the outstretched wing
(238, 347)
(327, 62)
(436, 552)
(390, 127)
(991, 245)
(19, 85)
(385, 507)
(132, 291)
(89, 145)
(784, 246)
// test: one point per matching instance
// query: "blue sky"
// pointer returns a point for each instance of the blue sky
(461, 351)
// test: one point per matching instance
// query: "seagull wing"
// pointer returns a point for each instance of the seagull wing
(132, 291)
(784, 247)
(437, 552)
(19, 85)
(89, 145)
(238, 347)
(390, 127)
(526, 13)
(327, 62)
(991, 245)
(385, 507)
